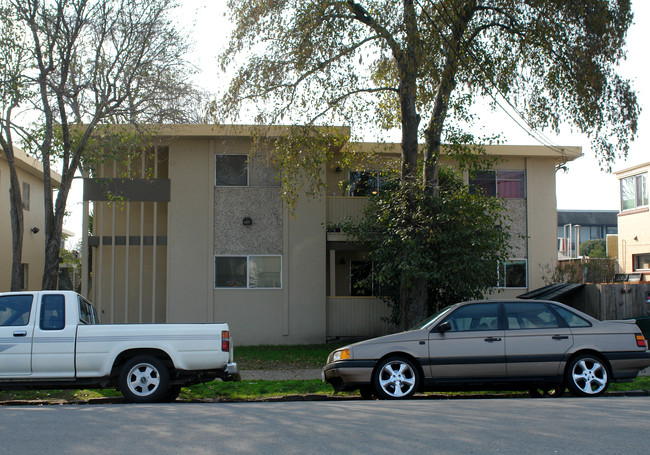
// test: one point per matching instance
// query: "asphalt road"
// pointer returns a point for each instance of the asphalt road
(422, 426)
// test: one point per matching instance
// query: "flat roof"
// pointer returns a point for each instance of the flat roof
(32, 166)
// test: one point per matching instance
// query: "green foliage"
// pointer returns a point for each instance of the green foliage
(270, 357)
(591, 270)
(360, 62)
(453, 243)
(596, 248)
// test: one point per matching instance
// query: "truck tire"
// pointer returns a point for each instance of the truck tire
(144, 379)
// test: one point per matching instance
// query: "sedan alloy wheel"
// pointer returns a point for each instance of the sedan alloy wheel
(396, 378)
(587, 376)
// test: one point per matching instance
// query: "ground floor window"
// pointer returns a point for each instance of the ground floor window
(512, 274)
(252, 272)
(361, 279)
(641, 261)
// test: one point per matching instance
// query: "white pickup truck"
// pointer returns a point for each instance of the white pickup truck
(53, 339)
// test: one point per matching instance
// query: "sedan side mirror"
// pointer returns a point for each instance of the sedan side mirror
(444, 327)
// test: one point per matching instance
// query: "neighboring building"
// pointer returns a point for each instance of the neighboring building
(208, 238)
(634, 221)
(575, 226)
(30, 174)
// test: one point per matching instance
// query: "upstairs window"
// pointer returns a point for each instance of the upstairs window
(26, 197)
(503, 184)
(634, 192)
(231, 170)
(366, 183)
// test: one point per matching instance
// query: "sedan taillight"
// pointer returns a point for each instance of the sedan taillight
(641, 341)
(225, 341)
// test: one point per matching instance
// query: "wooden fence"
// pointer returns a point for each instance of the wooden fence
(613, 301)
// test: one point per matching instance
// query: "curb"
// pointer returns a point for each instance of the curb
(292, 398)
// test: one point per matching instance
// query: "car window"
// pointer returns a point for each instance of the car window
(530, 315)
(86, 315)
(15, 310)
(572, 319)
(480, 316)
(52, 312)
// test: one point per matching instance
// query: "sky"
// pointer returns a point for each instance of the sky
(584, 186)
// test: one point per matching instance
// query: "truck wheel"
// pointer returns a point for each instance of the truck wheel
(144, 379)
(172, 394)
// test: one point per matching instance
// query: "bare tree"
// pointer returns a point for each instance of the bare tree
(96, 62)
(14, 92)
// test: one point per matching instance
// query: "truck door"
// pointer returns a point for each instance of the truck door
(16, 329)
(54, 337)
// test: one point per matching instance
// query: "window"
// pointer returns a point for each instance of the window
(530, 316)
(512, 274)
(634, 192)
(504, 184)
(361, 279)
(231, 170)
(572, 319)
(366, 183)
(87, 313)
(249, 272)
(15, 310)
(469, 318)
(52, 312)
(641, 261)
(26, 191)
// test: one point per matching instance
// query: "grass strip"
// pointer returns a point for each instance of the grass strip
(250, 390)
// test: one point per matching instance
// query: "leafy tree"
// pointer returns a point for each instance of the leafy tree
(452, 244)
(417, 64)
(90, 63)
(596, 248)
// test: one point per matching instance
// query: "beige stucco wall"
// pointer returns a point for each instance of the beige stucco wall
(33, 254)
(202, 221)
(633, 227)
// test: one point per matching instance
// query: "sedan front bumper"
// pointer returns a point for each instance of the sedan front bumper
(348, 374)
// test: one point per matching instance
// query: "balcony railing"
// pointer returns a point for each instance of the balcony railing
(362, 317)
(341, 208)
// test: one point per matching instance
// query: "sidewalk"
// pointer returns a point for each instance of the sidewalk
(280, 375)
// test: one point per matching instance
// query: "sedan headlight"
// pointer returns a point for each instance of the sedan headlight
(341, 354)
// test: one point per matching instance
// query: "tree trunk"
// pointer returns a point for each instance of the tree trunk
(53, 232)
(414, 295)
(17, 223)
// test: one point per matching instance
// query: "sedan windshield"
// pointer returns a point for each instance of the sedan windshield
(431, 319)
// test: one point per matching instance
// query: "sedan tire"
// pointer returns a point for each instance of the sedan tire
(587, 376)
(396, 378)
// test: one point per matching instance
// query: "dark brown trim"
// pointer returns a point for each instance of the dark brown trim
(120, 240)
(127, 190)
(634, 211)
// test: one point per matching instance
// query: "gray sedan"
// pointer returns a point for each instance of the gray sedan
(539, 346)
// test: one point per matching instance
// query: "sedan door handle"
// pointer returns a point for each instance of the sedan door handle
(560, 337)
(492, 339)
(21, 333)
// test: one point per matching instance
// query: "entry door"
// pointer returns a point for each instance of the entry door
(535, 341)
(473, 347)
(16, 330)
